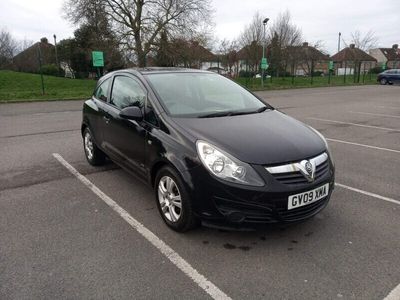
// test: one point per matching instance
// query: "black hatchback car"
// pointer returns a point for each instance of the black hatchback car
(389, 76)
(212, 151)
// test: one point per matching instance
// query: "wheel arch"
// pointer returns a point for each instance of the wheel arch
(173, 163)
(83, 127)
(157, 166)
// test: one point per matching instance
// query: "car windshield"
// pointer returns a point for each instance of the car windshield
(203, 95)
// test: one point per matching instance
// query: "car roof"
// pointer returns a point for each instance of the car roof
(153, 70)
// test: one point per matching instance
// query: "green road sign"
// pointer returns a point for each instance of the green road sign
(264, 63)
(383, 66)
(98, 59)
(331, 65)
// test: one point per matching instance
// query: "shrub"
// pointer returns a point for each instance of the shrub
(52, 70)
(317, 73)
(81, 75)
(248, 74)
(376, 70)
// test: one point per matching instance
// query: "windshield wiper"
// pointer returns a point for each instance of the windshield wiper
(217, 114)
(233, 113)
(261, 109)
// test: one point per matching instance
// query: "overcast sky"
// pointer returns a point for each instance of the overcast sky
(318, 19)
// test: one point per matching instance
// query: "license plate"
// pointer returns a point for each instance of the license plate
(309, 197)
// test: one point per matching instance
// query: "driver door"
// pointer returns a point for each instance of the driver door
(125, 139)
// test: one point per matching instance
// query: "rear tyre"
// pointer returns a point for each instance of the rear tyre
(173, 201)
(93, 154)
(383, 81)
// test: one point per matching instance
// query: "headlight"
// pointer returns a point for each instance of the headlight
(227, 167)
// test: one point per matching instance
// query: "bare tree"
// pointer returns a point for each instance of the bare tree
(287, 33)
(252, 40)
(253, 32)
(227, 51)
(139, 23)
(24, 44)
(283, 34)
(8, 48)
(320, 46)
(364, 42)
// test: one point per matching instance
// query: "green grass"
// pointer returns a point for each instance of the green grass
(17, 86)
(302, 82)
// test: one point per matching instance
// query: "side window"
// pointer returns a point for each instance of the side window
(101, 92)
(127, 92)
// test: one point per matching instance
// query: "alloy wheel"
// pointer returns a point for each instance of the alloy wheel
(170, 199)
(89, 146)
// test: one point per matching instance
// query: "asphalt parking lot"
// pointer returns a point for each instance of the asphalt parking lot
(58, 239)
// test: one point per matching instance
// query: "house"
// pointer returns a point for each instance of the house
(249, 57)
(191, 54)
(28, 60)
(304, 60)
(352, 60)
(184, 54)
(390, 57)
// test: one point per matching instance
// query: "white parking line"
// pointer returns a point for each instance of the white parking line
(166, 250)
(368, 193)
(394, 295)
(363, 145)
(390, 107)
(354, 124)
(374, 114)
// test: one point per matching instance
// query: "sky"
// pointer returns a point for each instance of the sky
(318, 19)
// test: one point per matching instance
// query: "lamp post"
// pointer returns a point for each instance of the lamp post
(55, 48)
(338, 47)
(39, 51)
(263, 54)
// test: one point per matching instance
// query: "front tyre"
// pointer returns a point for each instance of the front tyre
(93, 154)
(173, 201)
(383, 81)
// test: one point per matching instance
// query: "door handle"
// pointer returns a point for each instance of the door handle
(106, 119)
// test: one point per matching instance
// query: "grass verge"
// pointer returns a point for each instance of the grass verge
(17, 86)
(24, 87)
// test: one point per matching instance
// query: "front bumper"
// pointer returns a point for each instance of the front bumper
(219, 202)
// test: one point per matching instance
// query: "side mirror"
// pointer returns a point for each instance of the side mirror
(131, 113)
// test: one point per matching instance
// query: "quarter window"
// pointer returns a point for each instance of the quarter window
(127, 92)
(101, 92)
(150, 115)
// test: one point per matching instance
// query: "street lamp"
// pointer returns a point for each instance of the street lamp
(55, 48)
(263, 54)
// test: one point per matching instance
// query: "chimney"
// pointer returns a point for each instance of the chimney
(395, 46)
(305, 44)
(352, 46)
(44, 40)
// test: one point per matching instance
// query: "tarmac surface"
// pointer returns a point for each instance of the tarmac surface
(58, 239)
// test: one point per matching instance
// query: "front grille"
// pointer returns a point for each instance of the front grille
(271, 211)
(301, 212)
(293, 173)
(298, 178)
